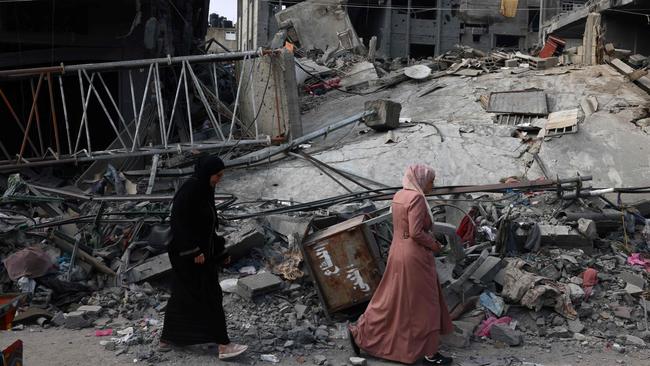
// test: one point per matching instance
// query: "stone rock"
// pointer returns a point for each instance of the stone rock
(259, 284)
(77, 320)
(301, 335)
(579, 337)
(559, 332)
(575, 326)
(91, 310)
(633, 289)
(58, 319)
(503, 333)
(576, 292)
(322, 334)
(587, 228)
(633, 279)
(320, 360)
(300, 310)
(623, 312)
(631, 340)
(358, 361)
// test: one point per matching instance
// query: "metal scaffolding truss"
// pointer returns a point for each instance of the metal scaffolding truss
(151, 110)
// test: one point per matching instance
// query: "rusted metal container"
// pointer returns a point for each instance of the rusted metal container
(344, 263)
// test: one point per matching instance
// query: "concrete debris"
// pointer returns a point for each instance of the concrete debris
(386, 115)
(503, 333)
(259, 284)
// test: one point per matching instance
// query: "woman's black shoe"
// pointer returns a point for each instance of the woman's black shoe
(355, 348)
(437, 359)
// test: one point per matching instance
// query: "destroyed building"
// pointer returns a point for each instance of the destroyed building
(403, 28)
(540, 154)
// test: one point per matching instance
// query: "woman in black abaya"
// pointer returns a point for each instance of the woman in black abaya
(194, 313)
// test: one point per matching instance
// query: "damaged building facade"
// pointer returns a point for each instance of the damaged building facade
(402, 27)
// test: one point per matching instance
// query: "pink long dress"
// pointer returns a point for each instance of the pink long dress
(407, 313)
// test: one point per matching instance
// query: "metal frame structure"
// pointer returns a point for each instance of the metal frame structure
(148, 108)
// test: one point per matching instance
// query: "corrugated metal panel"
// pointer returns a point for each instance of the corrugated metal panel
(529, 102)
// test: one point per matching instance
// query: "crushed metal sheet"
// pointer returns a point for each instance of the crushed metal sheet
(528, 102)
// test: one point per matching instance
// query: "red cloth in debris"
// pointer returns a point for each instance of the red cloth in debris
(467, 231)
(30, 262)
(483, 330)
(407, 313)
(589, 280)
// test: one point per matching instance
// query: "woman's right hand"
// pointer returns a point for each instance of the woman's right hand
(199, 259)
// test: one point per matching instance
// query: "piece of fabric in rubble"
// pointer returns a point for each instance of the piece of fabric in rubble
(635, 259)
(467, 229)
(63, 292)
(407, 313)
(534, 239)
(483, 330)
(30, 262)
(195, 313)
(517, 281)
(509, 8)
(550, 294)
(589, 280)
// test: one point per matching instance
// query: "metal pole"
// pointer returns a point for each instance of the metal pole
(20, 125)
(199, 90)
(121, 153)
(216, 89)
(408, 32)
(234, 112)
(161, 109)
(152, 175)
(117, 109)
(135, 111)
(541, 22)
(137, 64)
(38, 121)
(84, 117)
(65, 115)
(189, 112)
(29, 120)
(171, 117)
(108, 115)
(144, 99)
(54, 123)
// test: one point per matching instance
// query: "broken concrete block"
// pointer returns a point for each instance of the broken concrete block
(631, 340)
(633, 290)
(151, 268)
(575, 326)
(92, 310)
(300, 310)
(320, 360)
(588, 228)
(575, 292)
(259, 284)
(240, 243)
(463, 330)
(358, 361)
(563, 236)
(286, 225)
(559, 332)
(623, 312)
(512, 63)
(77, 320)
(632, 279)
(386, 116)
(503, 333)
(486, 272)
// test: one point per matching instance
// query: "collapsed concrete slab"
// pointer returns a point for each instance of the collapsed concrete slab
(259, 284)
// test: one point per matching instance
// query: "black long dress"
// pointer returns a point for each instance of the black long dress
(194, 313)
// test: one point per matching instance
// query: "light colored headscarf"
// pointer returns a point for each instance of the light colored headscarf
(416, 178)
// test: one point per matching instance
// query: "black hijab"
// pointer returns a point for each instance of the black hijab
(206, 167)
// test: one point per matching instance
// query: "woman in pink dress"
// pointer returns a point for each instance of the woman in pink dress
(407, 313)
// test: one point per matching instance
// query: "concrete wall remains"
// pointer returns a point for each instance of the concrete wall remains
(271, 96)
